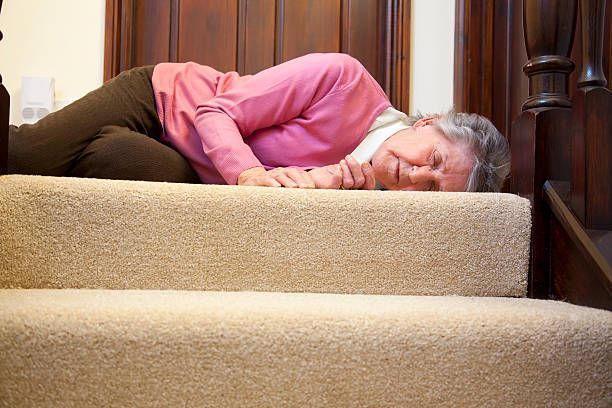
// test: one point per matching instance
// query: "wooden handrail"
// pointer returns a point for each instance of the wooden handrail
(581, 268)
(574, 229)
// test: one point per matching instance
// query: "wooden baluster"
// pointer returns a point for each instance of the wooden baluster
(592, 14)
(4, 118)
(549, 33)
(540, 136)
(591, 195)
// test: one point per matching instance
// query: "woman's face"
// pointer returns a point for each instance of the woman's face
(421, 158)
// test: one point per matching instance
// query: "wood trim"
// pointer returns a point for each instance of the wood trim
(396, 59)
(126, 54)
(474, 58)
(388, 47)
(241, 36)
(574, 228)
(175, 12)
(584, 275)
(345, 26)
(461, 35)
(112, 34)
(279, 32)
(403, 58)
(5, 103)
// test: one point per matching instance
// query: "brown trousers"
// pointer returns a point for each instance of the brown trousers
(112, 132)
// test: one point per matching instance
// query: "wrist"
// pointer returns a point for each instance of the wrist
(248, 173)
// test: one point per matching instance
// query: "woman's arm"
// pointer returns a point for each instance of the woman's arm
(272, 97)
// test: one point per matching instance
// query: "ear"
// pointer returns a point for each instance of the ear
(428, 120)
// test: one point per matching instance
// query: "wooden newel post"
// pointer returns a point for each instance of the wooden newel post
(549, 32)
(4, 118)
(540, 140)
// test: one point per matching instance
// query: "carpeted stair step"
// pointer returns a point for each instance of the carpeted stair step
(188, 348)
(85, 233)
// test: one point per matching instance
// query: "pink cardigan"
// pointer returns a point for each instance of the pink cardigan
(307, 112)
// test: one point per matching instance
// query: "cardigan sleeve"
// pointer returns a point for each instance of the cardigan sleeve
(270, 98)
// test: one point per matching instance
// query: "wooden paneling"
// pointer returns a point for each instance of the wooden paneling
(112, 38)
(591, 172)
(361, 33)
(474, 56)
(591, 195)
(251, 35)
(256, 48)
(308, 26)
(207, 33)
(535, 143)
(582, 274)
(151, 25)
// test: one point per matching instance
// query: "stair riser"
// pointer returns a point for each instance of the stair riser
(77, 233)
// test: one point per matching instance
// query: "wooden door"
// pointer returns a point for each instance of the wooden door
(250, 35)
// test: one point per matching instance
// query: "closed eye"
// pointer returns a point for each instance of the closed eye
(437, 159)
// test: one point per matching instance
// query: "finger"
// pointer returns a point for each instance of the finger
(285, 180)
(347, 177)
(336, 172)
(356, 171)
(301, 177)
(370, 179)
(264, 181)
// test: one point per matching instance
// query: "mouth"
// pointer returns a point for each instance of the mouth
(397, 172)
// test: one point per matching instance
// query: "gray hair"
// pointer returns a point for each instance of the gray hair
(490, 148)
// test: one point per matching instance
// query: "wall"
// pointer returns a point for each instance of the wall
(67, 43)
(432, 55)
(63, 39)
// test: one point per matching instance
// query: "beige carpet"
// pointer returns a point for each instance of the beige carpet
(167, 348)
(75, 233)
(252, 345)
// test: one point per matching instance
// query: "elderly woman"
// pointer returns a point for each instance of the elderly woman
(318, 121)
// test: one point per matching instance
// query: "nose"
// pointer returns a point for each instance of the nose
(421, 175)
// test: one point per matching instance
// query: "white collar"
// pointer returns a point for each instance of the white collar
(388, 123)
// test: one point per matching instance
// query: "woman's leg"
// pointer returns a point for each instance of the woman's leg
(122, 154)
(52, 145)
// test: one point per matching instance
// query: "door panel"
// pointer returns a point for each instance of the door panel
(207, 33)
(250, 35)
(308, 26)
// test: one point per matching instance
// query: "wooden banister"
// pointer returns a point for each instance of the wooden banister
(591, 195)
(592, 13)
(541, 128)
(549, 33)
(4, 118)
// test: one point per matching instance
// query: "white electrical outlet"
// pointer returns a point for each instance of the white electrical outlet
(37, 97)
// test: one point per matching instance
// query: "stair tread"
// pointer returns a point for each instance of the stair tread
(105, 347)
(172, 303)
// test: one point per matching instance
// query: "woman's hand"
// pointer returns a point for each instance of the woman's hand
(278, 177)
(348, 174)
(327, 177)
(357, 176)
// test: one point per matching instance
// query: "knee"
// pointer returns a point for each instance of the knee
(119, 153)
(20, 158)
